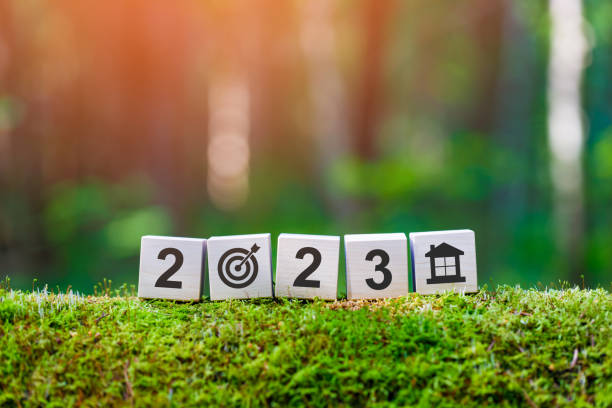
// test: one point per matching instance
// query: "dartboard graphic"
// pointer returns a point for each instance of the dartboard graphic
(238, 267)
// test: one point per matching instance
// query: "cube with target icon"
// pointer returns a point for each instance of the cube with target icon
(239, 267)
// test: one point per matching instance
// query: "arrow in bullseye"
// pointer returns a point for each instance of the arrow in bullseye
(254, 249)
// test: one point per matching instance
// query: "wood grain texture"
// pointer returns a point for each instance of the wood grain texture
(295, 254)
(158, 255)
(425, 244)
(367, 267)
(232, 261)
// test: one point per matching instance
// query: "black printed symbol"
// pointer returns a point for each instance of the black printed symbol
(302, 279)
(444, 264)
(162, 281)
(238, 267)
(381, 267)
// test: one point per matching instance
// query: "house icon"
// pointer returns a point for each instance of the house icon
(444, 263)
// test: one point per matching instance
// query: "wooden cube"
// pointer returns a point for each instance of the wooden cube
(239, 267)
(307, 266)
(376, 265)
(171, 267)
(444, 260)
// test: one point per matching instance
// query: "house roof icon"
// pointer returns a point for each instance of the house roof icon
(443, 250)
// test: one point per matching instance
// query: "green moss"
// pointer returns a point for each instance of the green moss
(509, 347)
(9, 310)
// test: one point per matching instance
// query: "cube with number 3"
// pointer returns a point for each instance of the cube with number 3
(376, 265)
(171, 267)
(307, 266)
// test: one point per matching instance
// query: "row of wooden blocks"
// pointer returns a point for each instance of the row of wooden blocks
(307, 265)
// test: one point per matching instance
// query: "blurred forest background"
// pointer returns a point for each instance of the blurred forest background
(199, 118)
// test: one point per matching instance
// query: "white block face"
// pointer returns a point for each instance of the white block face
(239, 267)
(307, 266)
(171, 268)
(444, 260)
(376, 266)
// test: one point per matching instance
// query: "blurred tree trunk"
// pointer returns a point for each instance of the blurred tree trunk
(568, 49)
(598, 196)
(6, 113)
(513, 109)
(376, 14)
(23, 139)
(160, 96)
(328, 96)
(229, 150)
(486, 19)
(488, 36)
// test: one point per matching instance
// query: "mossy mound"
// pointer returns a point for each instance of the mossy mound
(508, 347)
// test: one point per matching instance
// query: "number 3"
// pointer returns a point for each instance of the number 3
(163, 281)
(381, 267)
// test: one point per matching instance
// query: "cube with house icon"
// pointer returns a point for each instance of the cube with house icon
(444, 260)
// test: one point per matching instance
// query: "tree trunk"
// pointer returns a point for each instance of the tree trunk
(565, 129)
(369, 99)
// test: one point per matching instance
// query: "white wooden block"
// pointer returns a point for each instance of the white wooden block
(239, 267)
(444, 260)
(171, 267)
(376, 265)
(307, 266)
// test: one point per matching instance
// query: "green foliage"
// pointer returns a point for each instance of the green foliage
(95, 227)
(508, 347)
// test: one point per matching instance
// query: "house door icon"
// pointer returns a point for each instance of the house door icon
(445, 264)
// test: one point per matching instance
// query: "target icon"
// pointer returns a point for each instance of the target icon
(238, 267)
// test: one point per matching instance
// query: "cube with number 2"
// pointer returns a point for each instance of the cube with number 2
(307, 266)
(171, 267)
(376, 265)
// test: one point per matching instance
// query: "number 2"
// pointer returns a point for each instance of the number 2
(162, 281)
(302, 279)
(381, 267)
